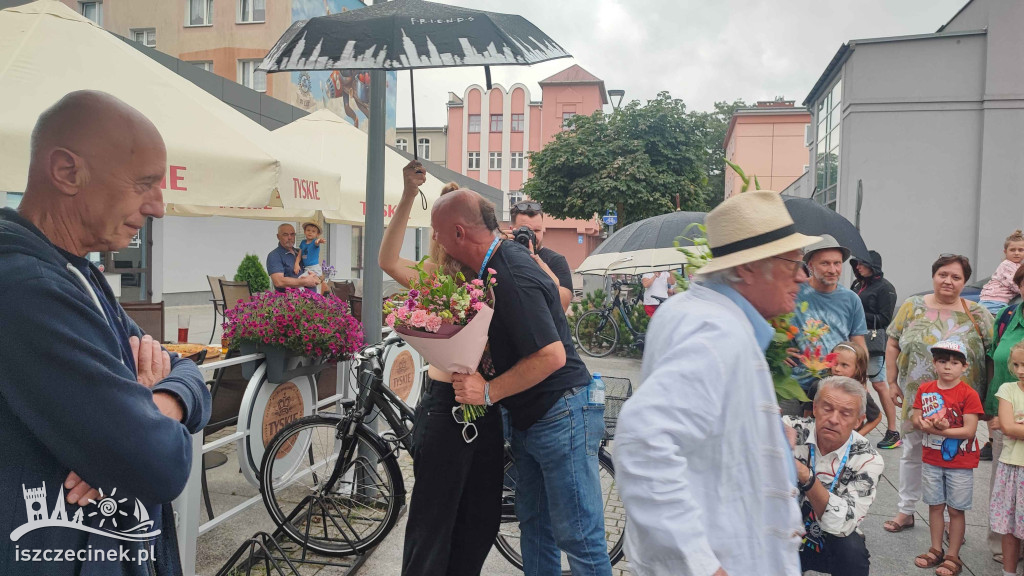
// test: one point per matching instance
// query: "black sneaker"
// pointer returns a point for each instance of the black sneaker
(890, 440)
(986, 452)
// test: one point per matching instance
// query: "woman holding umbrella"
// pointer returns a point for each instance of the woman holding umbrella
(455, 510)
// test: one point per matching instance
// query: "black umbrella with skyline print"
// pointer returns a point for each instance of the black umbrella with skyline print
(411, 34)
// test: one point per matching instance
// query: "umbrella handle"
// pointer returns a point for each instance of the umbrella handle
(412, 102)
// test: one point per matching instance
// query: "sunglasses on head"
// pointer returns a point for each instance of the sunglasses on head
(951, 256)
(526, 206)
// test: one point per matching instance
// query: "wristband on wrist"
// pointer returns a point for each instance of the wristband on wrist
(487, 394)
(804, 488)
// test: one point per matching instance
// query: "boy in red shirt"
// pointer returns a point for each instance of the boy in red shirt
(947, 411)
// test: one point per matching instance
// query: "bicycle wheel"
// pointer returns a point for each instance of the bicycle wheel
(597, 333)
(508, 538)
(356, 512)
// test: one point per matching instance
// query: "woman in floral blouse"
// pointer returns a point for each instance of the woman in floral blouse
(919, 323)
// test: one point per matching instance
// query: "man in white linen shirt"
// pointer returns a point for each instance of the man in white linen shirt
(835, 499)
(702, 461)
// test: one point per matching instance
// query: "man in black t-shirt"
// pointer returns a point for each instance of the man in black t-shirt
(528, 213)
(542, 383)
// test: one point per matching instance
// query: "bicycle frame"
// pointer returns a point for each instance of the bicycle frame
(373, 394)
(618, 304)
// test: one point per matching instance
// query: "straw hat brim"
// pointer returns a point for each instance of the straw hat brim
(792, 242)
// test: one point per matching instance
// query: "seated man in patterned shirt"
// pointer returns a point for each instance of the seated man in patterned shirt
(832, 506)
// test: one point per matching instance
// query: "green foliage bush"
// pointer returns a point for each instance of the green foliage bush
(251, 271)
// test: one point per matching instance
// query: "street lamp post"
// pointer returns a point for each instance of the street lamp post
(618, 95)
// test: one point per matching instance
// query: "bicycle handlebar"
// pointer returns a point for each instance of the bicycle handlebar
(375, 350)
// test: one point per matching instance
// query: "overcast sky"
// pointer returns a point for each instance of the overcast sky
(699, 50)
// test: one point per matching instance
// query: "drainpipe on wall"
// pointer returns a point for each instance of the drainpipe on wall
(860, 202)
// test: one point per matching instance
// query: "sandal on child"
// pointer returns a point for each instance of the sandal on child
(952, 565)
(894, 526)
(932, 558)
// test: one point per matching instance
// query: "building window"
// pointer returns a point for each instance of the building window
(474, 123)
(496, 121)
(252, 11)
(402, 144)
(514, 197)
(516, 162)
(565, 118)
(208, 66)
(199, 12)
(93, 11)
(826, 167)
(494, 161)
(250, 77)
(423, 148)
(473, 161)
(146, 36)
(518, 122)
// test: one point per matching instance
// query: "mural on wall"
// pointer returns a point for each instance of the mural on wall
(344, 92)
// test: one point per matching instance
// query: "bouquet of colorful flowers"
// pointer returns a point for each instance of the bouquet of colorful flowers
(786, 387)
(302, 322)
(445, 318)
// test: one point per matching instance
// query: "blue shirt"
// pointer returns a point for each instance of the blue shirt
(310, 252)
(841, 310)
(282, 261)
(763, 331)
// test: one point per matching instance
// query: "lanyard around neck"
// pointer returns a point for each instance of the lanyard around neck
(842, 464)
(487, 258)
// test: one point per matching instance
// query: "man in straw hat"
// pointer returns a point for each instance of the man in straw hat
(704, 467)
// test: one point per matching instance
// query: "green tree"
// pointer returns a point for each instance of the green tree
(634, 161)
(715, 124)
(251, 270)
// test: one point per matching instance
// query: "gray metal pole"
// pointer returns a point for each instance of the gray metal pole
(373, 276)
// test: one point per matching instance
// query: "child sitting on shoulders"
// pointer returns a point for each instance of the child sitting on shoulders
(998, 291)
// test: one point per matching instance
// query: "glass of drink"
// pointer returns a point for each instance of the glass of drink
(224, 345)
(182, 328)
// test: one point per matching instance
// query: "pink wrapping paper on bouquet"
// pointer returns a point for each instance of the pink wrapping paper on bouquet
(454, 349)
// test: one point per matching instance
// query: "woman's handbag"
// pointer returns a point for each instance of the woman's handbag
(876, 341)
(984, 373)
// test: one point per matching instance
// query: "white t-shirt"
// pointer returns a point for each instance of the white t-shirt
(657, 288)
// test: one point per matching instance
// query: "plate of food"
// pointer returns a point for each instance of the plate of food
(185, 350)
(212, 352)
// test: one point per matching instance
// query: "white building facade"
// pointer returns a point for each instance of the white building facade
(918, 139)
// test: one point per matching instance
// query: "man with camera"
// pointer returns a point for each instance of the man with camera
(528, 230)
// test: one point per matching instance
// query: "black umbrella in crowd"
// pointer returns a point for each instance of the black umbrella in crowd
(814, 219)
(411, 34)
(654, 232)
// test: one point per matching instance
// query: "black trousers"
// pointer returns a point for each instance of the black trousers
(846, 556)
(456, 497)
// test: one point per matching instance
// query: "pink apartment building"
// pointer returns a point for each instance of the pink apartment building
(491, 133)
(768, 140)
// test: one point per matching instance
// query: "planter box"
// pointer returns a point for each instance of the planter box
(277, 360)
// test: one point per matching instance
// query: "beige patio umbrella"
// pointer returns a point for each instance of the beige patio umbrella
(216, 155)
(635, 262)
(336, 145)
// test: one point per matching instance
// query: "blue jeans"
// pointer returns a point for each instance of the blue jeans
(558, 496)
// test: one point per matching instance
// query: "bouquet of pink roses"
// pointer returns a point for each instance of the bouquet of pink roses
(445, 318)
